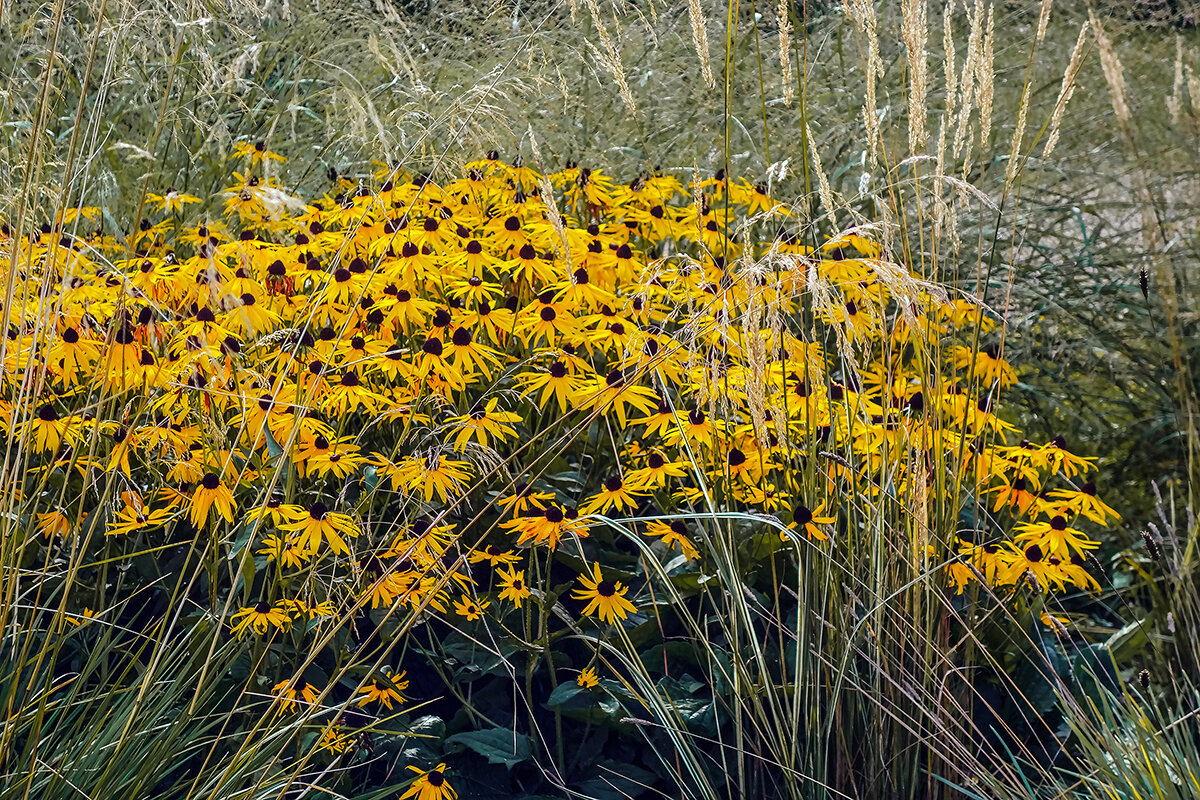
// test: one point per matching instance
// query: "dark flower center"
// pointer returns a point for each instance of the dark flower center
(606, 588)
(210, 481)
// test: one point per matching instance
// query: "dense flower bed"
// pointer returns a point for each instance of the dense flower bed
(505, 403)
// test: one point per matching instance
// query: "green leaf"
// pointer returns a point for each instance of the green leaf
(497, 745)
(562, 693)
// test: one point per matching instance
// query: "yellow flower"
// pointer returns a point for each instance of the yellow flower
(261, 618)
(319, 523)
(48, 430)
(614, 493)
(53, 523)
(1084, 501)
(483, 424)
(1055, 537)
(431, 474)
(471, 609)
(674, 536)
(605, 598)
(384, 690)
(291, 693)
(512, 585)
(431, 785)
(588, 679)
(334, 739)
(211, 492)
(285, 550)
(810, 521)
(171, 200)
(132, 520)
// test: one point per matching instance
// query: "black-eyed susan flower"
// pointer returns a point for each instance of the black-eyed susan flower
(1064, 461)
(211, 493)
(48, 431)
(555, 383)
(655, 473)
(433, 474)
(606, 599)
(1030, 563)
(261, 618)
(674, 535)
(494, 555)
(334, 739)
(587, 678)
(318, 524)
(484, 424)
(1055, 537)
(616, 393)
(614, 494)
(171, 201)
(522, 497)
(135, 519)
(1084, 501)
(811, 521)
(431, 785)
(294, 692)
(285, 550)
(384, 689)
(990, 368)
(53, 524)
(512, 585)
(470, 608)
(1015, 495)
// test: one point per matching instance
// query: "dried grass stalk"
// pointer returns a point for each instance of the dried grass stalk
(700, 41)
(1065, 92)
(915, 33)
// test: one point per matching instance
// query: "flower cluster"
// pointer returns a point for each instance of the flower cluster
(380, 387)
